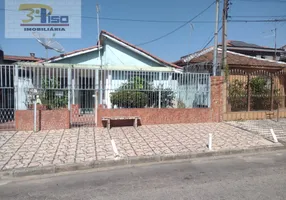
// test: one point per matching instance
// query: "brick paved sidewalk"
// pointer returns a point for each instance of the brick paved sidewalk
(28, 149)
(262, 127)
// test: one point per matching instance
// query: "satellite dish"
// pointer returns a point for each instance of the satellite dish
(48, 43)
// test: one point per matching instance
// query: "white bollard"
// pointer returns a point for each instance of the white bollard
(273, 135)
(210, 141)
(116, 154)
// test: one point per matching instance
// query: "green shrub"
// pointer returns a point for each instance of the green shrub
(129, 99)
(48, 96)
(139, 93)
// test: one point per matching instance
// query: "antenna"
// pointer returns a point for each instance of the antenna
(274, 34)
(48, 43)
(275, 40)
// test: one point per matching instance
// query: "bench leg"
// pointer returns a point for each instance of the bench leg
(108, 124)
(135, 123)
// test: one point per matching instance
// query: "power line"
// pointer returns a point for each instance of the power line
(153, 21)
(260, 1)
(259, 21)
(205, 46)
(178, 28)
(258, 16)
(183, 21)
(127, 19)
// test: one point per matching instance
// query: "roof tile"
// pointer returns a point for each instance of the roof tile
(21, 58)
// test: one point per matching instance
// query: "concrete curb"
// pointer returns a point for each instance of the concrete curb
(21, 172)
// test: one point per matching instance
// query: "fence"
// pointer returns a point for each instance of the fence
(80, 90)
(139, 89)
(255, 91)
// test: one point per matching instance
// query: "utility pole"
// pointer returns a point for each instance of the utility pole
(99, 54)
(216, 39)
(98, 32)
(224, 34)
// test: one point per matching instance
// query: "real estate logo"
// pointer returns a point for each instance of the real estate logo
(49, 17)
(44, 12)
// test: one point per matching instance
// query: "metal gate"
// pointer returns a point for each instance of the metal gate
(255, 94)
(7, 100)
(57, 88)
(84, 87)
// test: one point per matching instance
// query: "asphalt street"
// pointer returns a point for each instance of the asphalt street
(255, 176)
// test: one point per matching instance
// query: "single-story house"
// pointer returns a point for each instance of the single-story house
(113, 54)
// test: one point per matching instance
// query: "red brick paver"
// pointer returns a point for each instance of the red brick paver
(78, 145)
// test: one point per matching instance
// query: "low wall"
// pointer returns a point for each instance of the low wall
(46, 119)
(169, 115)
(24, 120)
(60, 119)
(55, 119)
(157, 116)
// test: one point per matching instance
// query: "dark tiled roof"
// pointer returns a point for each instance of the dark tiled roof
(235, 43)
(73, 52)
(239, 59)
(21, 58)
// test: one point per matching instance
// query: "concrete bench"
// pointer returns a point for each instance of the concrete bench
(108, 119)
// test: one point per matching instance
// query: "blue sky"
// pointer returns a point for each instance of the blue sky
(170, 48)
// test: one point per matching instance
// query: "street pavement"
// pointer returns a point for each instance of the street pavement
(251, 176)
(79, 145)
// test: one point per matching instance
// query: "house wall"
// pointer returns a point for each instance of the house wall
(118, 55)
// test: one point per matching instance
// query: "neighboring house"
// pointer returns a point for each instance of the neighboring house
(10, 59)
(254, 50)
(244, 75)
(113, 52)
(201, 61)
(283, 55)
